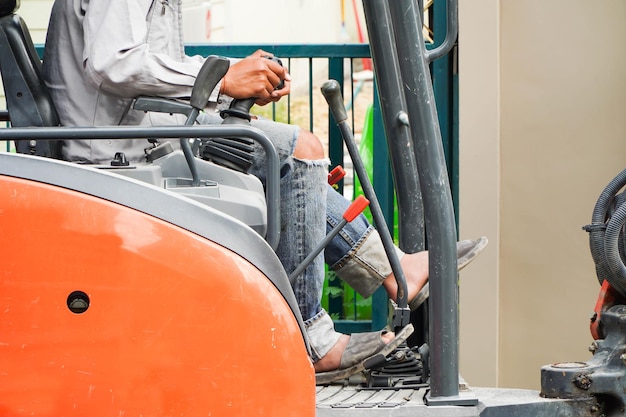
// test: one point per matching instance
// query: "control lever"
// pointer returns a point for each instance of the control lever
(211, 72)
(235, 153)
(336, 175)
(350, 214)
(240, 108)
(332, 94)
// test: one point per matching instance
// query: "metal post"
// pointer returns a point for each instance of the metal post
(439, 212)
(335, 142)
(395, 119)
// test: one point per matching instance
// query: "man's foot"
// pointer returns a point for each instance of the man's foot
(348, 355)
(332, 360)
(415, 267)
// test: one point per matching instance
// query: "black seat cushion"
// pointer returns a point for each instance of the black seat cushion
(28, 100)
(8, 6)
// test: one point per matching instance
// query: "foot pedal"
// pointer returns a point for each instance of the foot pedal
(403, 368)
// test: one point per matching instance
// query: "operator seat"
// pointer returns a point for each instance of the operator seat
(27, 98)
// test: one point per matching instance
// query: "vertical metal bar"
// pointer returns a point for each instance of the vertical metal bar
(395, 120)
(289, 97)
(335, 304)
(443, 85)
(382, 178)
(454, 111)
(311, 94)
(352, 97)
(439, 213)
(335, 142)
(383, 186)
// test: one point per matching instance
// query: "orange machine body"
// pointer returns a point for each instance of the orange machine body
(176, 324)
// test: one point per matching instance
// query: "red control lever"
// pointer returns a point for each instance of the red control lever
(336, 175)
(356, 208)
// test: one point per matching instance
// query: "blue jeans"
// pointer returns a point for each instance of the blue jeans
(310, 208)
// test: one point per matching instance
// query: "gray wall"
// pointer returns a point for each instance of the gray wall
(542, 132)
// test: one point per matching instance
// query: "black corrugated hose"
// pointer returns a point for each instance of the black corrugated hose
(606, 232)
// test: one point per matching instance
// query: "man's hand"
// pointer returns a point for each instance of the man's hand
(256, 76)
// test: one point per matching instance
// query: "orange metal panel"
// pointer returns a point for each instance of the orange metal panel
(176, 325)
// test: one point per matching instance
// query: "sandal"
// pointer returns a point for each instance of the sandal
(467, 251)
(360, 348)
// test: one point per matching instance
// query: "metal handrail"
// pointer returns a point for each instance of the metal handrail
(452, 31)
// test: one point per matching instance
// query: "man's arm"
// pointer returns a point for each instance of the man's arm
(131, 48)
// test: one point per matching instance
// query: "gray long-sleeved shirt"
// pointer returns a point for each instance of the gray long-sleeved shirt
(101, 54)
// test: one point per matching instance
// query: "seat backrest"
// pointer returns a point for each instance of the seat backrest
(28, 100)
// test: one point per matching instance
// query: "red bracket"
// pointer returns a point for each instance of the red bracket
(606, 299)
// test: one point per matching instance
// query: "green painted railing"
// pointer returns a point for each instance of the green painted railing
(336, 57)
